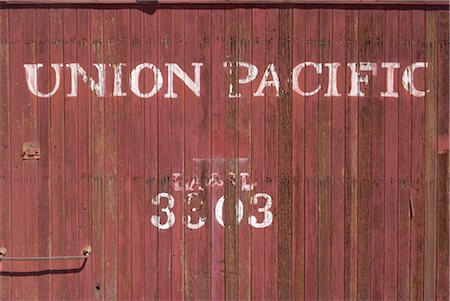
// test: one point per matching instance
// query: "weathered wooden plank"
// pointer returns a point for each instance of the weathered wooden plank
(431, 105)
(230, 209)
(191, 198)
(181, 48)
(417, 203)
(43, 124)
(338, 159)
(16, 137)
(97, 150)
(351, 161)
(365, 159)
(123, 165)
(257, 153)
(111, 268)
(391, 151)
(271, 152)
(56, 153)
(284, 198)
(298, 161)
(136, 158)
(84, 151)
(218, 151)
(5, 143)
(151, 161)
(442, 219)
(324, 200)
(29, 217)
(404, 165)
(311, 157)
(71, 146)
(244, 151)
(378, 172)
(165, 246)
(205, 151)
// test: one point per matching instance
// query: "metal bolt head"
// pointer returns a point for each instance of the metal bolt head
(87, 250)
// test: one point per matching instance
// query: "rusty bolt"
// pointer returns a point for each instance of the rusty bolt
(87, 250)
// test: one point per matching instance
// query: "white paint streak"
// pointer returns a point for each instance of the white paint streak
(118, 80)
(268, 216)
(408, 79)
(296, 73)
(97, 87)
(390, 79)
(356, 79)
(31, 71)
(201, 220)
(177, 182)
(332, 90)
(252, 72)
(194, 85)
(219, 211)
(156, 219)
(191, 184)
(265, 82)
(134, 80)
(244, 185)
(215, 180)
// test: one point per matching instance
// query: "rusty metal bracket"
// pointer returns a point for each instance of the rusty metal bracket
(86, 251)
(31, 151)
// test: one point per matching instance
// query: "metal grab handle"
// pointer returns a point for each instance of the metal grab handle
(86, 253)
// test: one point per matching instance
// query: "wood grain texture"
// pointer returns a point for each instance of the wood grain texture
(271, 164)
(442, 219)
(71, 156)
(137, 157)
(28, 193)
(5, 142)
(123, 165)
(284, 216)
(56, 154)
(338, 162)
(430, 143)
(218, 150)
(298, 162)
(311, 160)
(378, 157)
(391, 163)
(44, 182)
(404, 216)
(325, 47)
(181, 158)
(359, 184)
(231, 238)
(417, 202)
(110, 173)
(204, 252)
(16, 137)
(365, 45)
(244, 151)
(351, 163)
(257, 155)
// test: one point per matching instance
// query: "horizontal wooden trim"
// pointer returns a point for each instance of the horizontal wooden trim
(243, 2)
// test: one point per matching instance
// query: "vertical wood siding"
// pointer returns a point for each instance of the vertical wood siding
(359, 185)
